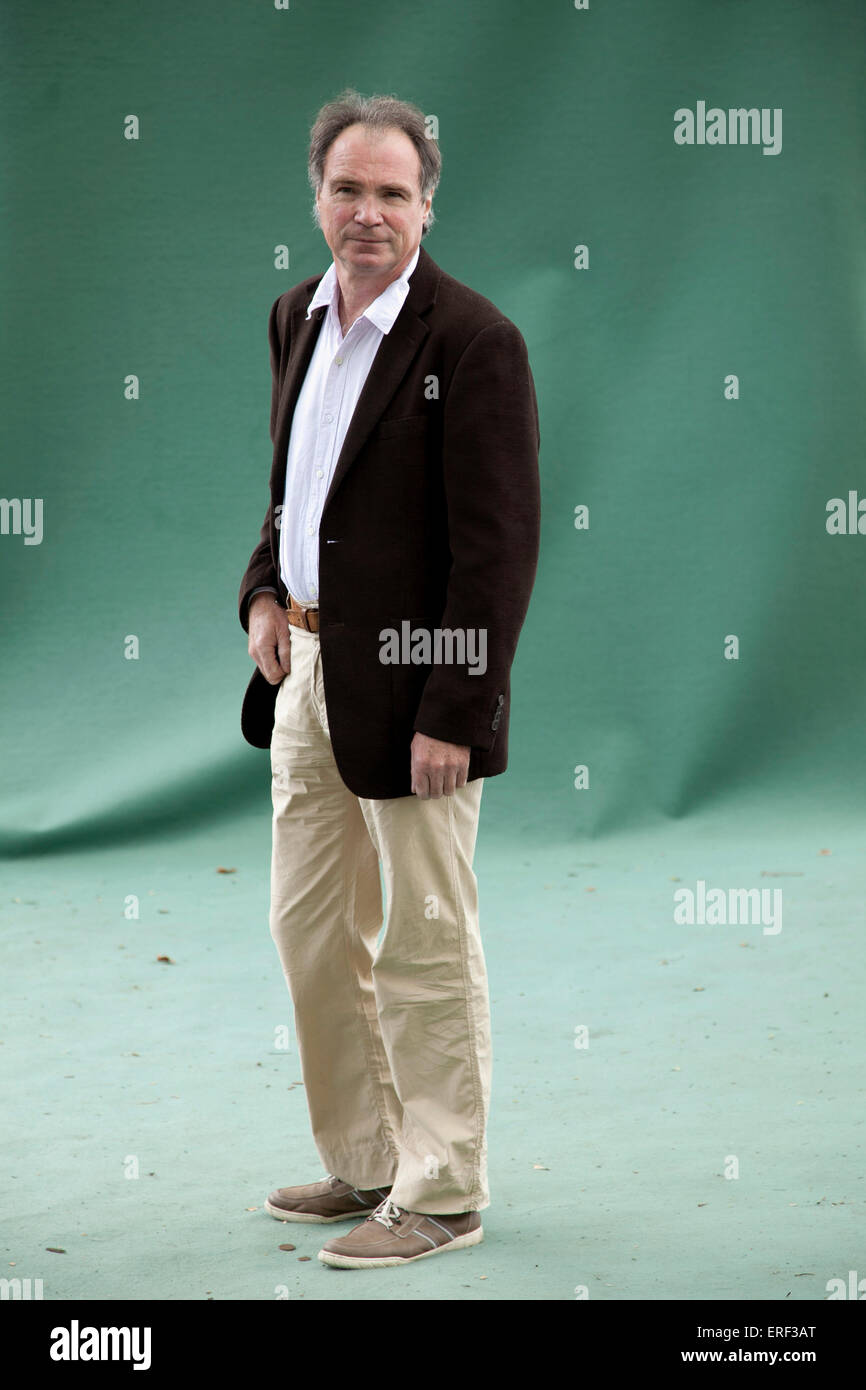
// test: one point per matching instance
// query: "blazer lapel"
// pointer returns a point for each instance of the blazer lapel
(389, 367)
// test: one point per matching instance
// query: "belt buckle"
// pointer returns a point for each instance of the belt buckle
(300, 608)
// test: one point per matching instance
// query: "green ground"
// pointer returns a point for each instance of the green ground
(607, 1163)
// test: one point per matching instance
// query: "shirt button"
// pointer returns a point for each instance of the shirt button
(310, 530)
(319, 473)
(338, 361)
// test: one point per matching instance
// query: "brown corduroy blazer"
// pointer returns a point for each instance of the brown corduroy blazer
(432, 519)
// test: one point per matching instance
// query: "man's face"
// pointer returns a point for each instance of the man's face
(370, 210)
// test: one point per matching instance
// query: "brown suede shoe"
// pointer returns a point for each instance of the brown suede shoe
(329, 1200)
(392, 1236)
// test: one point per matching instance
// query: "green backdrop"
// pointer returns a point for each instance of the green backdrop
(707, 514)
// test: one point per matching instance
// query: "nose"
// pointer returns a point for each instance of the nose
(367, 212)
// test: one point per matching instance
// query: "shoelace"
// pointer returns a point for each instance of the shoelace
(387, 1212)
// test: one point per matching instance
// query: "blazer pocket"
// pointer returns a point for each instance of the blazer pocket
(407, 424)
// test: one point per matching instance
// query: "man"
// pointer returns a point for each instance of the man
(383, 605)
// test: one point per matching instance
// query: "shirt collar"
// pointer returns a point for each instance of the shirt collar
(383, 311)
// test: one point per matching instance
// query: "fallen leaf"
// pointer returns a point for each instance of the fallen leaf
(55, 1249)
(288, 1247)
(167, 959)
(226, 871)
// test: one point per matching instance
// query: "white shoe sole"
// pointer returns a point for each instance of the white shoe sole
(282, 1215)
(330, 1257)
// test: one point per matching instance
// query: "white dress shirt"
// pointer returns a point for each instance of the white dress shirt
(335, 377)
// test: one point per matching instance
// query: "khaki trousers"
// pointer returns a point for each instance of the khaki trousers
(394, 1042)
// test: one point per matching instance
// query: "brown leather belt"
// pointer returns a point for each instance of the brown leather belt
(298, 616)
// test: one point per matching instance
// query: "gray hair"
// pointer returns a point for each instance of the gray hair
(379, 113)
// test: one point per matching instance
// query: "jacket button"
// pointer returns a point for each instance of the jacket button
(500, 700)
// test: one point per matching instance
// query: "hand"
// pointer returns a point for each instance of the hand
(438, 768)
(269, 644)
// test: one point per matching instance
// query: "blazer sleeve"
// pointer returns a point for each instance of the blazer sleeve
(260, 572)
(490, 444)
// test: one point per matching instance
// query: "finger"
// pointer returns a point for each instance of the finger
(269, 662)
(272, 671)
(415, 774)
(284, 653)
